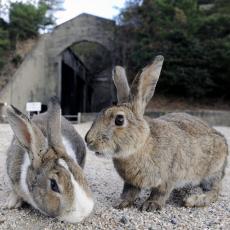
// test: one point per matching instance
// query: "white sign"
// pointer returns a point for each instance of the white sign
(33, 106)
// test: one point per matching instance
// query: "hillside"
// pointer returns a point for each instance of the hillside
(13, 59)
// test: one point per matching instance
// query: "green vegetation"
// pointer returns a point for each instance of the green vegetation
(195, 43)
(26, 20)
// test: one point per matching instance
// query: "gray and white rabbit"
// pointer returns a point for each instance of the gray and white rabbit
(161, 154)
(44, 165)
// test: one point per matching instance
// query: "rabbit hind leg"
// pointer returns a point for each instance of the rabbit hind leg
(210, 191)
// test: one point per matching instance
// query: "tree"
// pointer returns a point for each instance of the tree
(41, 11)
(53, 6)
(26, 19)
(195, 43)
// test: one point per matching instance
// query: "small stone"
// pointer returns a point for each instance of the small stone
(173, 221)
(2, 221)
(123, 220)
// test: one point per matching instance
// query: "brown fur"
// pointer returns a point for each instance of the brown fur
(161, 154)
(44, 161)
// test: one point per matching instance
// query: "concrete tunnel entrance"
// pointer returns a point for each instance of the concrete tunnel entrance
(54, 71)
(86, 82)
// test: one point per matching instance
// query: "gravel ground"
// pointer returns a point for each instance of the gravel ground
(106, 186)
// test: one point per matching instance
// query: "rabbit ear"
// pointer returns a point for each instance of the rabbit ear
(121, 83)
(54, 124)
(28, 135)
(144, 85)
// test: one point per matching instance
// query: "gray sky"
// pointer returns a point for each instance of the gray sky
(102, 8)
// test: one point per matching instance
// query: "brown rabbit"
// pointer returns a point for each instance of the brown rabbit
(44, 165)
(162, 154)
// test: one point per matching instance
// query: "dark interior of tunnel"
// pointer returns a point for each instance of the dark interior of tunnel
(85, 87)
(69, 94)
(73, 86)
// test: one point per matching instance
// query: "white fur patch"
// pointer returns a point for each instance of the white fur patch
(24, 187)
(69, 148)
(82, 203)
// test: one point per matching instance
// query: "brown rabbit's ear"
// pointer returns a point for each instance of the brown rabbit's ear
(143, 86)
(54, 124)
(28, 135)
(121, 83)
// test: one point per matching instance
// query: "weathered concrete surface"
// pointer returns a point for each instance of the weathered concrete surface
(106, 186)
(39, 76)
(84, 27)
(29, 80)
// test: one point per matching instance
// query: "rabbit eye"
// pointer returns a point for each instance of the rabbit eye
(54, 186)
(119, 120)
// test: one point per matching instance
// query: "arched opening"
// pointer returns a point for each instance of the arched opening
(86, 83)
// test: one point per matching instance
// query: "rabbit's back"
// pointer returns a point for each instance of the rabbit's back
(189, 124)
(189, 145)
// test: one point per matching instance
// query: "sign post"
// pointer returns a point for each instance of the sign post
(33, 107)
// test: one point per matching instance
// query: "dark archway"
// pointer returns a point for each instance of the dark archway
(74, 88)
(86, 84)
(84, 29)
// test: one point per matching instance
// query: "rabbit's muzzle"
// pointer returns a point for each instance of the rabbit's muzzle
(97, 143)
(91, 142)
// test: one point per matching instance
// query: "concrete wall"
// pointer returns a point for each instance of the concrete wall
(39, 76)
(84, 27)
(28, 82)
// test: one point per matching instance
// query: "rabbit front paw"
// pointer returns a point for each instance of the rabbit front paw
(150, 205)
(13, 201)
(123, 204)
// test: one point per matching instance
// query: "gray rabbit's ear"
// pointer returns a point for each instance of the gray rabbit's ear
(54, 124)
(121, 83)
(28, 135)
(143, 86)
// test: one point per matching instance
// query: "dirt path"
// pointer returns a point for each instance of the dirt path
(106, 186)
